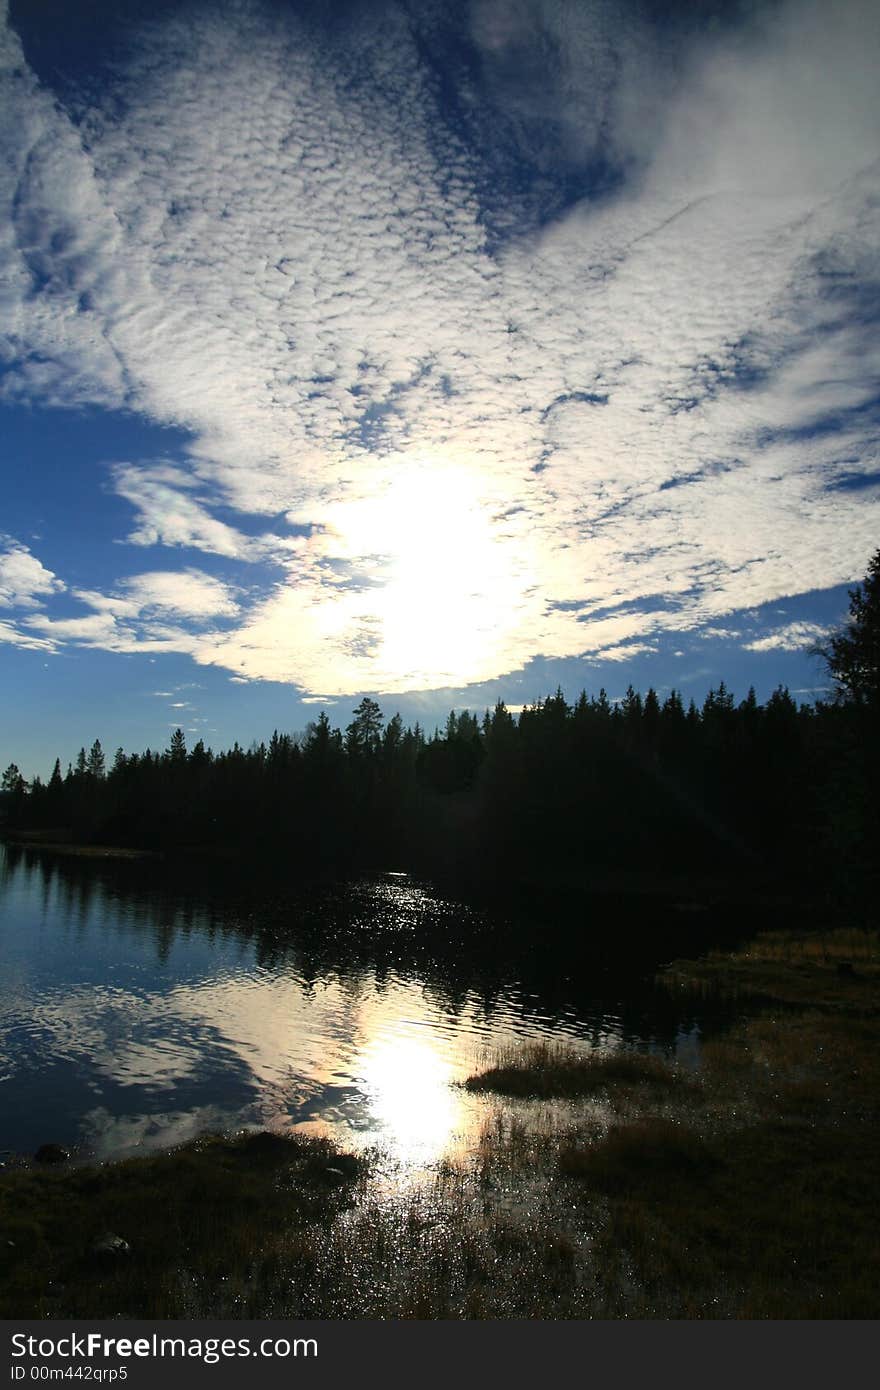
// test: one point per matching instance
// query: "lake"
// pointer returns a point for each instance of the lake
(141, 1006)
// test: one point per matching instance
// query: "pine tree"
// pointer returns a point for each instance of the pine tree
(177, 747)
(853, 654)
(364, 732)
(13, 782)
(95, 765)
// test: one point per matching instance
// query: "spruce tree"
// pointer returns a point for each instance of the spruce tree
(853, 654)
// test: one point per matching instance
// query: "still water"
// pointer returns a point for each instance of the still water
(136, 1012)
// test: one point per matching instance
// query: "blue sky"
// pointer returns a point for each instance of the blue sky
(436, 351)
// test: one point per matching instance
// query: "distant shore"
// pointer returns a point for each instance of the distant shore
(691, 893)
(37, 839)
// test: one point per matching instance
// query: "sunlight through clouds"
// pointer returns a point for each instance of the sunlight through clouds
(447, 587)
(455, 399)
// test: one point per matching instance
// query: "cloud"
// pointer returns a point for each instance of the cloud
(575, 366)
(96, 630)
(58, 243)
(144, 613)
(25, 585)
(103, 632)
(12, 635)
(170, 514)
(24, 580)
(189, 593)
(793, 637)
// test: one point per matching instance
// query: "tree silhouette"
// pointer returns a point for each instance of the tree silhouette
(13, 782)
(96, 762)
(853, 654)
(560, 793)
(177, 747)
(364, 733)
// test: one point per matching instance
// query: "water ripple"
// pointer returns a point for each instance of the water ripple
(134, 1018)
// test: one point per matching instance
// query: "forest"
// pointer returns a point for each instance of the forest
(775, 790)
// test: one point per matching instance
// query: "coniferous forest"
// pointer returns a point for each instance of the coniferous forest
(775, 790)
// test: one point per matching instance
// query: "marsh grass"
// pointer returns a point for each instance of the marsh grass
(639, 1154)
(772, 1221)
(836, 970)
(58, 842)
(748, 1190)
(606, 1185)
(206, 1226)
(554, 1071)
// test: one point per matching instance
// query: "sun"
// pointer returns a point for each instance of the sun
(442, 580)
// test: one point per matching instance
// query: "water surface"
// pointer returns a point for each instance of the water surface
(137, 1011)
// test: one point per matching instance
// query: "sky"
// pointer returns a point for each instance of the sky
(437, 350)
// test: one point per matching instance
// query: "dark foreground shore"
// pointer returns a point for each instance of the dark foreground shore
(613, 1186)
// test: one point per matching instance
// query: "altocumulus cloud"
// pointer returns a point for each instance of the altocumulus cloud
(569, 359)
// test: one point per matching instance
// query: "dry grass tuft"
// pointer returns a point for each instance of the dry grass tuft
(641, 1153)
(547, 1071)
(837, 969)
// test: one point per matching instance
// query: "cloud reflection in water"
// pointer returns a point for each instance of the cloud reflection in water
(133, 1019)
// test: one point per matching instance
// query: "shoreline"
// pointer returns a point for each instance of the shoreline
(680, 891)
(744, 1189)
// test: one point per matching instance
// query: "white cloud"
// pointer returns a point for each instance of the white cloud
(12, 635)
(135, 617)
(103, 631)
(793, 637)
(96, 630)
(171, 514)
(189, 593)
(460, 455)
(24, 580)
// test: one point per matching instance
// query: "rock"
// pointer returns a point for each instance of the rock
(110, 1244)
(51, 1153)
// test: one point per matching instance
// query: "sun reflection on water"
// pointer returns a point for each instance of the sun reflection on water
(156, 1035)
(408, 1085)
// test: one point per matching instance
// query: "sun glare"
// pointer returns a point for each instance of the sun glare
(443, 581)
(410, 1096)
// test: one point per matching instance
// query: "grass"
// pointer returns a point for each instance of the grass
(605, 1186)
(209, 1228)
(838, 970)
(771, 1220)
(750, 1191)
(553, 1071)
(638, 1155)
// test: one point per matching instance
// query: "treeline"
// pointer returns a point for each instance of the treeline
(560, 791)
